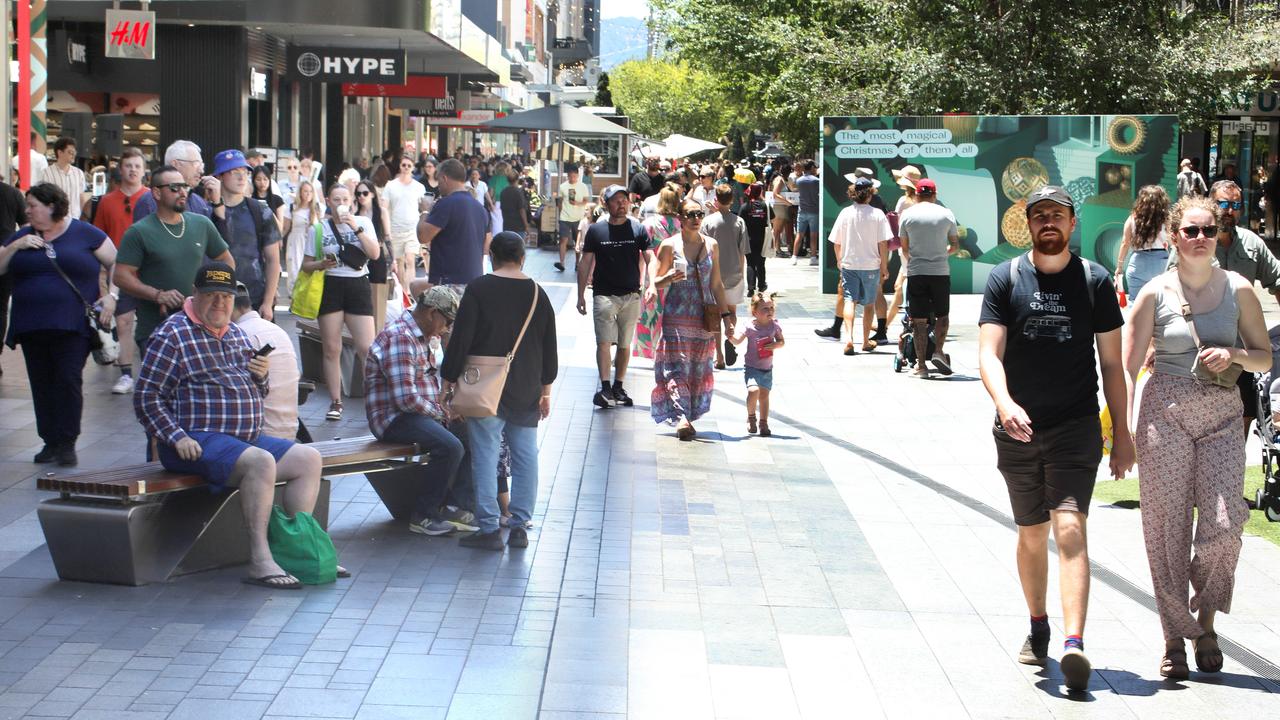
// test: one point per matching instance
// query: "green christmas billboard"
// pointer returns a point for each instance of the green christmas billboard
(985, 167)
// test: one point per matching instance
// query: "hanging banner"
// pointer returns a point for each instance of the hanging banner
(131, 34)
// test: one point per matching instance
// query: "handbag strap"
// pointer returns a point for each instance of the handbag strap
(1185, 305)
(527, 319)
(697, 270)
(87, 305)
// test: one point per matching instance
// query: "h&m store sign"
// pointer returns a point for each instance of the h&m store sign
(347, 65)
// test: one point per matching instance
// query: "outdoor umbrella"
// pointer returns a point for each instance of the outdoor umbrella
(679, 146)
(562, 151)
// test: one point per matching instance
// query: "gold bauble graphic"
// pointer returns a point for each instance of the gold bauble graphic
(1126, 125)
(1014, 226)
(1022, 177)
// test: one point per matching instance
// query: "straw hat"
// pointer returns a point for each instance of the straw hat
(863, 172)
(907, 176)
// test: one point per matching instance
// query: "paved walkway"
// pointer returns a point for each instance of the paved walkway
(860, 562)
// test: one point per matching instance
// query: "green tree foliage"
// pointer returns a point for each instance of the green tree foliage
(799, 59)
(664, 97)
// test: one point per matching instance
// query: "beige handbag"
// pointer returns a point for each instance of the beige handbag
(479, 387)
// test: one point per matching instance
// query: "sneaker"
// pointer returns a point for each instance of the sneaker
(518, 538)
(335, 411)
(483, 541)
(795, 260)
(1035, 651)
(813, 260)
(621, 397)
(431, 527)
(462, 521)
(942, 361)
(47, 454)
(123, 386)
(881, 337)
(1075, 669)
(559, 266)
(601, 400)
(730, 353)
(452, 512)
(828, 332)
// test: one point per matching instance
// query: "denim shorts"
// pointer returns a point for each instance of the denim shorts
(755, 377)
(806, 223)
(218, 455)
(860, 286)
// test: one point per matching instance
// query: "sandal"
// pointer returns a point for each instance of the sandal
(335, 411)
(751, 424)
(686, 432)
(1208, 654)
(1174, 664)
(764, 429)
(870, 345)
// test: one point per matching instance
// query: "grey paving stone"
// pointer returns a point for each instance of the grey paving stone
(206, 709)
(303, 702)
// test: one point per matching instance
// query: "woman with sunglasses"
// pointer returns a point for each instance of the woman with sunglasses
(56, 265)
(369, 204)
(1188, 434)
(689, 272)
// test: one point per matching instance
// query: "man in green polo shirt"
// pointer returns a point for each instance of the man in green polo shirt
(160, 254)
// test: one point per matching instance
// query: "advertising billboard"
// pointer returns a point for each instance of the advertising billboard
(985, 167)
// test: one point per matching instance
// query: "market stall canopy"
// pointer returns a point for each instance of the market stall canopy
(679, 146)
(562, 151)
(771, 149)
(559, 118)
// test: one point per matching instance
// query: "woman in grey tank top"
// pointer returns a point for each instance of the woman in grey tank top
(1190, 445)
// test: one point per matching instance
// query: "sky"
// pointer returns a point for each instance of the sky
(624, 8)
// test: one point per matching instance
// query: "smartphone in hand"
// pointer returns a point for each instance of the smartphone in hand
(264, 351)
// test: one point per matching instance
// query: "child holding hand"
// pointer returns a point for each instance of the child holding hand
(762, 336)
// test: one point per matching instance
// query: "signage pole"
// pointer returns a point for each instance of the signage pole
(6, 115)
(24, 94)
(39, 69)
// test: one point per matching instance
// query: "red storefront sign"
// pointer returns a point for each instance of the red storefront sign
(416, 86)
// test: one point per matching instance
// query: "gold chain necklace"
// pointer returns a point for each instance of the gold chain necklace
(181, 232)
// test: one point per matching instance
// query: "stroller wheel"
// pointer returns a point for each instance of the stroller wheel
(897, 367)
(1272, 512)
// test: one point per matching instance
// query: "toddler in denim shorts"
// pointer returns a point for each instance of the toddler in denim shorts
(763, 336)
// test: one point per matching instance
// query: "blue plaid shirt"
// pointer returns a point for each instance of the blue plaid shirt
(192, 380)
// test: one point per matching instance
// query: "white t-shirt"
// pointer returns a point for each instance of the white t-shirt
(402, 201)
(280, 406)
(571, 194)
(859, 230)
(38, 163)
(349, 237)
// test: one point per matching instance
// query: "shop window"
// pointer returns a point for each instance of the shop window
(606, 148)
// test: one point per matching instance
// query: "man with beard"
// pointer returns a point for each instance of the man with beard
(1240, 250)
(1042, 314)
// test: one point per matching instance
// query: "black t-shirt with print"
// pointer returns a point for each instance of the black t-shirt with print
(1049, 359)
(617, 250)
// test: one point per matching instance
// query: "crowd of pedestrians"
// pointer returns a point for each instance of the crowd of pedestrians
(193, 279)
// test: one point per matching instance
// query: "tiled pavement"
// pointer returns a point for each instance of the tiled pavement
(858, 563)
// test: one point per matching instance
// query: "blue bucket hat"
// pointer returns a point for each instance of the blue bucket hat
(228, 160)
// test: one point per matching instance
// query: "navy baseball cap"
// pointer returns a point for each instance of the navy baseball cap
(1053, 194)
(608, 193)
(228, 160)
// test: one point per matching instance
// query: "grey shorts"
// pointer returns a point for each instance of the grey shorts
(615, 318)
(1055, 471)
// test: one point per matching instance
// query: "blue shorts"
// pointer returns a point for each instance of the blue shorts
(757, 378)
(806, 223)
(860, 286)
(219, 455)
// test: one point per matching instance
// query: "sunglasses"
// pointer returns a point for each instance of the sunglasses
(1193, 231)
(695, 215)
(1230, 204)
(176, 187)
(363, 193)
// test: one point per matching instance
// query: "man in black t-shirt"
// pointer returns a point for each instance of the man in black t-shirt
(613, 256)
(644, 184)
(1041, 316)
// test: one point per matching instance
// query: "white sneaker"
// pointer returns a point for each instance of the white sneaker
(123, 386)
(795, 260)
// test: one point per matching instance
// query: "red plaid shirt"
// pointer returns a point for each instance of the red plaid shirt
(400, 375)
(194, 380)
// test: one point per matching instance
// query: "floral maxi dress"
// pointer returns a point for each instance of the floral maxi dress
(682, 367)
(649, 326)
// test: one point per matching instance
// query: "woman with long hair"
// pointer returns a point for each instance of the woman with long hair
(783, 210)
(369, 204)
(300, 228)
(261, 181)
(660, 226)
(1146, 236)
(689, 272)
(1207, 327)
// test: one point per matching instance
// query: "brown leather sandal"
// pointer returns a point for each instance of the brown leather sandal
(1208, 654)
(1174, 664)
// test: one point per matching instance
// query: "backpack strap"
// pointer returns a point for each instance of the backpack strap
(255, 211)
(1087, 267)
(1088, 279)
(1014, 267)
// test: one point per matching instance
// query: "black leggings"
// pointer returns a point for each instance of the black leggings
(755, 274)
(55, 367)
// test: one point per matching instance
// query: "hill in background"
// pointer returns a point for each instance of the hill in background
(622, 39)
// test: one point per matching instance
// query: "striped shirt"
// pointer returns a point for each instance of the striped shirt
(195, 380)
(70, 182)
(400, 375)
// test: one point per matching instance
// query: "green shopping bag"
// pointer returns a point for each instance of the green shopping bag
(302, 547)
(309, 287)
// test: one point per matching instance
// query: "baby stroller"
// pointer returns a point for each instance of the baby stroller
(1267, 498)
(906, 357)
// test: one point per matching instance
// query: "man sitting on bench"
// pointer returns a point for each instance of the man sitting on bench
(200, 394)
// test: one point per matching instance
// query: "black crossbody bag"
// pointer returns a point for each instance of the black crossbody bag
(351, 254)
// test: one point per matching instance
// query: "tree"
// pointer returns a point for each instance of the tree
(663, 97)
(604, 98)
(795, 60)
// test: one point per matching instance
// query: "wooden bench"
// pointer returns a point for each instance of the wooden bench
(141, 524)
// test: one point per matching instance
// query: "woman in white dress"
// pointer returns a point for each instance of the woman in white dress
(299, 228)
